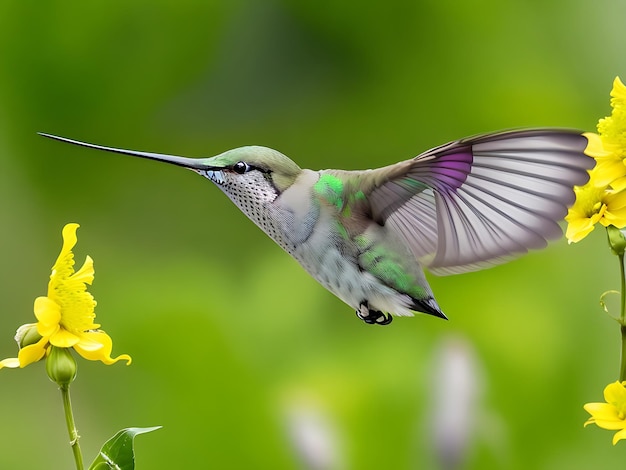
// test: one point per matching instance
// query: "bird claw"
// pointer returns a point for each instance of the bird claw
(372, 317)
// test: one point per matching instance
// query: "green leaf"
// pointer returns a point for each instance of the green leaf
(117, 453)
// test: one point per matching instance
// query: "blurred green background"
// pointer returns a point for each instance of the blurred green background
(244, 359)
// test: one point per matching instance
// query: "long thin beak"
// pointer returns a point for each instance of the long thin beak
(191, 163)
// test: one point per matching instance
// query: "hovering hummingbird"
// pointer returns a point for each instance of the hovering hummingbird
(365, 235)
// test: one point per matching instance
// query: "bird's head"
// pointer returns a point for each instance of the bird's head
(244, 173)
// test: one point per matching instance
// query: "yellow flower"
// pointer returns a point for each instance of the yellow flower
(613, 128)
(609, 149)
(612, 414)
(603, 199)
(65, 317)
(594, 204)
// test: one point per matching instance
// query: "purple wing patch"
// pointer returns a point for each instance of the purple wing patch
(451, 170)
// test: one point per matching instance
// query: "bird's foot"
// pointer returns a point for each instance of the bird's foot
(372, 317)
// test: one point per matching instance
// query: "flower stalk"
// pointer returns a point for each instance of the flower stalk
(617, 242)
(71, 426)
(621, 241)
(622, 319)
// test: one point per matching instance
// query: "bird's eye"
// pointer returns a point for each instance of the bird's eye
(241, 167)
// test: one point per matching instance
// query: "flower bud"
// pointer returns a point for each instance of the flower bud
(617, 240)
(61, 366)
(26, 335)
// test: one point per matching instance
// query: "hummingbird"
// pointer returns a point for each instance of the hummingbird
(367, 235)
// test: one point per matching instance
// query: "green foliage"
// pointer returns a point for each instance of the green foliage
(118, 452)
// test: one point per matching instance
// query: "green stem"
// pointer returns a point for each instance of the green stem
(71, 426)
(622, 319)
(622, 368)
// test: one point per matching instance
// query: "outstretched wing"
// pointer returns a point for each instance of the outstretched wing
(480, 201)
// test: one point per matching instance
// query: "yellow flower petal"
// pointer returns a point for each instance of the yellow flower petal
(11, 362)
(616, 200)
(578, 228)
(63, 266)
(588, 210)
(32, 353)
(619, 89)
(619, 435)
(63, 339)
(609, 171)
(86, 272)
(611, 128)
(97, 346)
(594, 145)
(617, 218)
(593, 408)
(611, 425)
(605, 416)
(48, 313)
(619, 184)
(615, 393)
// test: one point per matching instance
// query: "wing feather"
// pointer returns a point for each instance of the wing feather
(481, 201)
